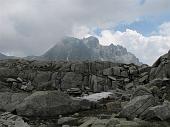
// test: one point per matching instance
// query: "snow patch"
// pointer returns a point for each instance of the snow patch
(97, 96)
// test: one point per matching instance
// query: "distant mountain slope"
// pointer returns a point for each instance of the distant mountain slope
(2, 56)
(88, 49)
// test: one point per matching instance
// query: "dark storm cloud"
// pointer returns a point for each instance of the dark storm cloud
(30, 27)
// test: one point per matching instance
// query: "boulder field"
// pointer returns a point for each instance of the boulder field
(84, 93)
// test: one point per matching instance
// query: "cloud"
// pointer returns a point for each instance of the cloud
(30, 27)
(164, 29)
(146, 48)
(142, 2)
(80, 32)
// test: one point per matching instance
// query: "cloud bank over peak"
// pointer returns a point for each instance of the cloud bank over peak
(147, 48)
(30, 27)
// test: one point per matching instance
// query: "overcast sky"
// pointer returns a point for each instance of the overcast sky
(31, 27)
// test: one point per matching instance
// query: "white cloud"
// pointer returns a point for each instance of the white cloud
(29, 27)
(165, 29)
(147, 49)
(80, 32)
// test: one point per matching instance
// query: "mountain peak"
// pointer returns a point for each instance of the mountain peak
(91, 41)
(2, 56)
(89, 49)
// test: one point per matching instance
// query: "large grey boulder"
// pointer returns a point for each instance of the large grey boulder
(160, 111)
(42, 76)
(161, 68)
(4, 87)
(144, 68)
(137, 106)
(115, 122)
(47, 103)
(50, 85)
(95, 122)
(97, 83)
(28, 74)
(66, 120)
(140, 91)
(144, 79)
(88, 122)
(8, 72)
(9, 100)
(117, 71)
(108, 71)
(114, 106)
(162, 86)
(71, 80)
(156, 82)
(10, 120)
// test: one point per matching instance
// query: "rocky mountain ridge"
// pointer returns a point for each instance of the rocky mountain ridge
(89, 49)
(73, 49)
(2, 56)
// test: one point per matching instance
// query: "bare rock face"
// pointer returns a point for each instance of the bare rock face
(161, 68)
(161, 112)
(168, 65)
(72, 80)
(88, 49)
(66, 120)
(10, 120)
(9, 100)
(114, 106)
(42, 76)
(33, 90)
(47, 104)
(140, 91)
(137, 106)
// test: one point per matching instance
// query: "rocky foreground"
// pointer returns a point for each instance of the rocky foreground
(85, 94)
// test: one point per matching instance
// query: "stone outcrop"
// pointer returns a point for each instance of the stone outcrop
(161, 68)
(115, 122)
(10, 120)
(9, 100)
(71, 80)
(161, 112)
(45, 89)
(66, 120)
(137, 106)
(47, 104)
(22, 75)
